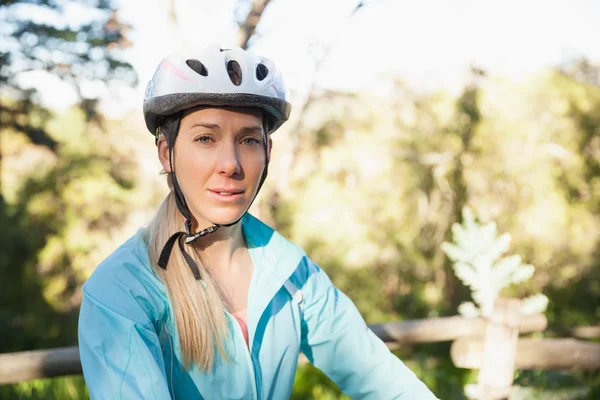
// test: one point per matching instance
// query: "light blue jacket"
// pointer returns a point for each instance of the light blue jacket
(130, 349)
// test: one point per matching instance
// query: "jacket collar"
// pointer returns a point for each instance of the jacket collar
(274, 259)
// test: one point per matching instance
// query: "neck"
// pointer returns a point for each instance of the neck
(217, 250)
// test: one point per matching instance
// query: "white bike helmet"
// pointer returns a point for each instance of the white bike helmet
(216, 76)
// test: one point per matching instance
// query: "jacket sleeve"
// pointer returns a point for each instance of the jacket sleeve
(119, 349)
(336, 340)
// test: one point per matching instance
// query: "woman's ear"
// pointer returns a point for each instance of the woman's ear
(163, 153)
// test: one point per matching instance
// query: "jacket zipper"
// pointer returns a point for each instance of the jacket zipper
(238, 329)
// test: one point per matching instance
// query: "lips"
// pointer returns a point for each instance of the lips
(227, 192)
(226, 195)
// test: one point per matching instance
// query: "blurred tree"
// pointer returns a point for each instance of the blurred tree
(376, 190)
(582, 70)
(37, 35)
(65, 184)
(64, 212)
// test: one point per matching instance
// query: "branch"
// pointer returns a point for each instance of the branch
(248, 27)
(171, 16)
(565, 354)
(36, 135)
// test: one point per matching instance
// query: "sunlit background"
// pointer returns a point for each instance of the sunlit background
(404, 115)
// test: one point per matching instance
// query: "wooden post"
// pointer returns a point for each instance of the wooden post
(499, 351)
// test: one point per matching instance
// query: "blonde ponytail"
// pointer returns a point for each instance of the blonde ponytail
(198, 306)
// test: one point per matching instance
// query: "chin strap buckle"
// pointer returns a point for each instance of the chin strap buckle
(192, 238)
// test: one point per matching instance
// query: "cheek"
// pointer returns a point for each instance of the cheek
(192, 169)
(253, 164)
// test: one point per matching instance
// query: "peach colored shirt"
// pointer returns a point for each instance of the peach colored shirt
(242, 319)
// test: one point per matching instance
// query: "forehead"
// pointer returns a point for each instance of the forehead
(216, 114)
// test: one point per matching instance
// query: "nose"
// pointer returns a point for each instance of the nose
(229, 163)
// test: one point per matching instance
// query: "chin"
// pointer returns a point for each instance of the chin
(225, 216)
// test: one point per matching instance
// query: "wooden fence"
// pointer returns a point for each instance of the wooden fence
(491, 345)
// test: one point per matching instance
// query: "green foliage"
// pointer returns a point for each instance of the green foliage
(66, 186)
(310, 383)
(540, 385)
(57, 215)
(63, 388)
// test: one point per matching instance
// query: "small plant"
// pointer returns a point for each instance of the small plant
(478, 262)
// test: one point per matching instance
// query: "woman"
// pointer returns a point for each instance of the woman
(207, 301)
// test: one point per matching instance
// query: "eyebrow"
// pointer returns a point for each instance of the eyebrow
(209, 126)
(245, 130)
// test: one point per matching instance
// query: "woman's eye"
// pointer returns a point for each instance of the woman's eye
(203, 139)
(251, 141)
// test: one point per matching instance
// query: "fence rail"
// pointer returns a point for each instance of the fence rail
(27, 365)
(447, 329)
(467, 333)
(533, 354)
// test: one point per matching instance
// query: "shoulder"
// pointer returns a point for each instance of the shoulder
(125, 281)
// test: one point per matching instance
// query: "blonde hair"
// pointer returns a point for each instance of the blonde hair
(197, 305)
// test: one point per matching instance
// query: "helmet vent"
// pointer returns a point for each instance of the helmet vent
(261, 71)
(197, 66)
(235, 72)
